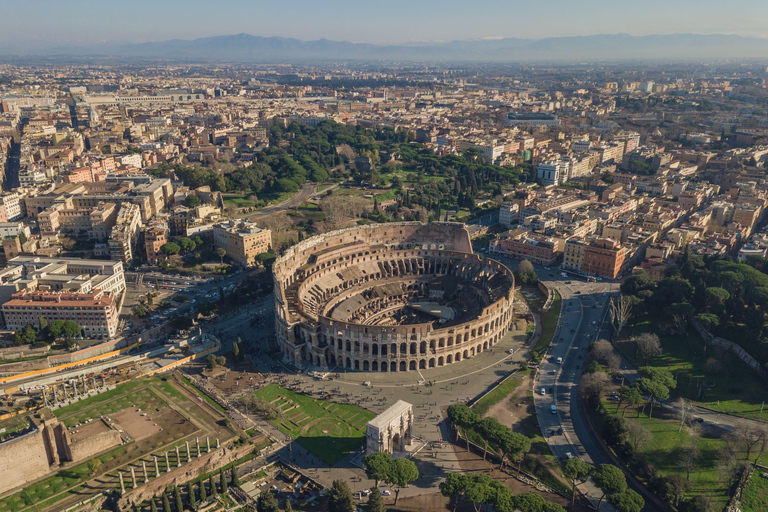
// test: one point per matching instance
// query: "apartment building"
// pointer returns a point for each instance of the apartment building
(509, 214)
(573, 254)
(96, 311)
(521, 244)
(125, 233)
(155, 236)
(604, 257)
(242, 240)
(91, 223)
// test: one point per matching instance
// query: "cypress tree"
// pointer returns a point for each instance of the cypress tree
(235, 478)
(223, 481)
(152, 506)
(212, 486)
(166, 503)
(179, 503)
(191, 495)
(203, 494)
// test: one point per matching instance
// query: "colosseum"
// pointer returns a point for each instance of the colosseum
(389, 298)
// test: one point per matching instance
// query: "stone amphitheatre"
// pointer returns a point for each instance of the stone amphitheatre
(389, 298)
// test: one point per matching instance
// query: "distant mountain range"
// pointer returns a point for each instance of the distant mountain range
(248, 48)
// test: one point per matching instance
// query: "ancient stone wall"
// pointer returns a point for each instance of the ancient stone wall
(87, 448)
(22, 460)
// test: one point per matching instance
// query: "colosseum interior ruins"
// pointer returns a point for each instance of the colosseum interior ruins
(389, 297)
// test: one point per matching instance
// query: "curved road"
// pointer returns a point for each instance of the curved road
(584, 316)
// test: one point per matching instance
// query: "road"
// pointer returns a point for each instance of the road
(583, 319)
(306, 192)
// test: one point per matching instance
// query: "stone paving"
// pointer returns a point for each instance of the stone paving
(430, 391)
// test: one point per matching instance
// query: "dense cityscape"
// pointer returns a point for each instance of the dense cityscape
(383, 286)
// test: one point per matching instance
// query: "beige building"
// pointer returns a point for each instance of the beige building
(242, 240)
(573, 254)
(125, 233)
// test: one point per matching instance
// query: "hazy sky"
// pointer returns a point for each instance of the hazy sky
(44, 22)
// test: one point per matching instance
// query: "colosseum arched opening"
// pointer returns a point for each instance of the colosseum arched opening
(388, 298)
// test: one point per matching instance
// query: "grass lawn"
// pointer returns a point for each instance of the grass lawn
(548, 326)
(499, 393)
(736, 390)
(665, 449)
(755, 496)
(327, 429)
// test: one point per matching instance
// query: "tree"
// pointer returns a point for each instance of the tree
(592, 385)
(43, 323)
(236, 350)
(212, 486)
(463, 418)
(223, 482)
(375, 501)
(340, 497)
(191, 495)
(454, 486)
(221, 252)
(140, 311)
(192, 201)
(93, 465)
(177, 496)
(150, 299)
(221, 360)
(656, 383)
(377, 466)
(621, 312)
(638, 435)
(627, 501)
(187, 244)
(152, 506)
(601, 349)
(525, 273)
(170, 248)
(166, 503)
(234, 477)
(266, 502)
(479, 490)
(576, 470)
(203, 493)
(401, 473)
(289, 507)
(631, 395)
(648, 346)
(610, 480)
(529, 502)
(212, 363)
(684, 408)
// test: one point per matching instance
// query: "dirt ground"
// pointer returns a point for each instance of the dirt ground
(518, 411)
(137, 423)
(231, 381)
(90, 429)
(472, 463)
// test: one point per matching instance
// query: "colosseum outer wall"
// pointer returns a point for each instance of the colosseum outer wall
(308, 337)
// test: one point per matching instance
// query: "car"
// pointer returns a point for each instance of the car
(553, 408)
(543, 391)
(560, 431)
(553, 372)
(577, 292)
(559, 360)
(573, 331)
(386, 492)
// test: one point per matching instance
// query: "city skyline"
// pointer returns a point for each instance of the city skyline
(45, 24)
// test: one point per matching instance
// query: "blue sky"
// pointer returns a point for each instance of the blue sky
(46, 22)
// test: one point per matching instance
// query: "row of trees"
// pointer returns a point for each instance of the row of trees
(489, 433)
(58, 329)
(194, 498)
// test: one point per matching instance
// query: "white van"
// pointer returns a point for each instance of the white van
(559, 360)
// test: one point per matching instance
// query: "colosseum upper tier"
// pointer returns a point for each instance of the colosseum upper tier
(389, 297)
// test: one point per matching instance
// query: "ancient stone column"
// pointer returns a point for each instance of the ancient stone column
(197, 441)
(122, 486)
(188, 455)
(144, 467)
(93, 381)
(218, 445)
(133, 477)
(208, 444)
(167, 465)
(178, 458)
(157, 469)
